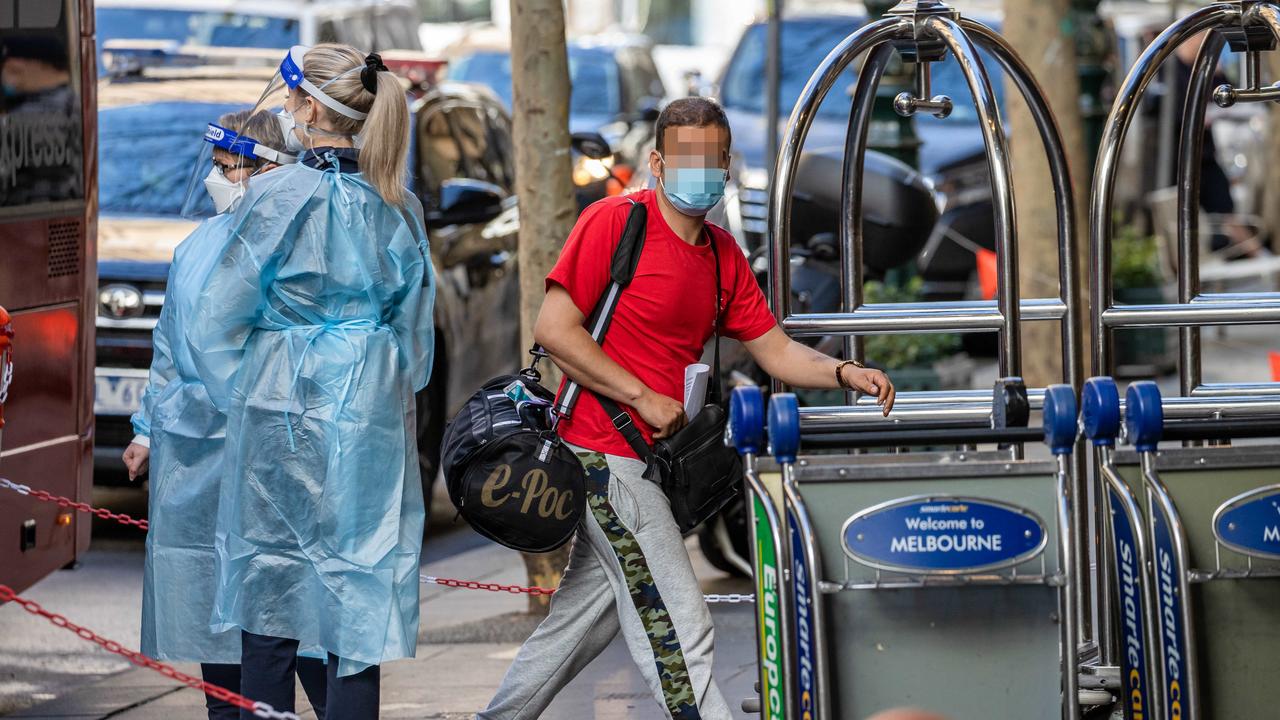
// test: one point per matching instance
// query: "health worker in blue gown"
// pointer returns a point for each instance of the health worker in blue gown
(180, 434)
(313, 332)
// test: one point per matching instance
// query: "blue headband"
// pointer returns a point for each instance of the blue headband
(243, 145)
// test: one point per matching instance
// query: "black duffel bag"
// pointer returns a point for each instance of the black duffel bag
(508, 473)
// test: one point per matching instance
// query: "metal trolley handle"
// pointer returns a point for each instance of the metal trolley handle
(1250, 27)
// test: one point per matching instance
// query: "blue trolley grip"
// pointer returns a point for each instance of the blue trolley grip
(1143, 416)
(784, 427)
(746, 420)
(1100, 411)
(1060, 418)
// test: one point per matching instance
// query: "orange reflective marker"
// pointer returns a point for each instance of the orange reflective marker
(987, 276)
(1275, 365)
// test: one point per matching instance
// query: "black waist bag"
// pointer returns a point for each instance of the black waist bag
(698, 472)
(508, 473)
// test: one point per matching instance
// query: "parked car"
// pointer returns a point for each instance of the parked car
(617, 92)
(462, 166)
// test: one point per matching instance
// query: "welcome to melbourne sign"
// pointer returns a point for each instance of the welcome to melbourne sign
(943, 535)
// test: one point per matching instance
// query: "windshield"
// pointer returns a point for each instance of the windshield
(146, 154)
(194, 27)
(805, 43)
(593, 74)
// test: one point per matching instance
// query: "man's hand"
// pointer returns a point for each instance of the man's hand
(664, 414)
(136, 458)
(872, 382)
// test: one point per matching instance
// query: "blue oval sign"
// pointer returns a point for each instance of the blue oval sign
(1250, 523)
(943, 535)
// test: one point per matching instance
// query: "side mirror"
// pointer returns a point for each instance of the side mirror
(591, 144)
(464, 201)
(648, 108)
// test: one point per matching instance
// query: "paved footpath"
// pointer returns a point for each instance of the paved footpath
(467, 641)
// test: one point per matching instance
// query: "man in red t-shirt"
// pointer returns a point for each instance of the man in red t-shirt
(629, 571)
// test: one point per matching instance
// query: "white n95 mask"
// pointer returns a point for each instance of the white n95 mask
(226, 195)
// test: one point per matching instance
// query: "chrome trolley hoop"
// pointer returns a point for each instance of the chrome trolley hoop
(1247, 26)
(927, 31)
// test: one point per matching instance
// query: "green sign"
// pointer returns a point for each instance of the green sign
(768, 616)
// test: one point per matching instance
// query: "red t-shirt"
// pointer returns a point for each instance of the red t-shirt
(664, 317)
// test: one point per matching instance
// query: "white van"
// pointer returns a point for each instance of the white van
(380, 25)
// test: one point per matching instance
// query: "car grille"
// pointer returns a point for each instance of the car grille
(126, 342)
(112, 431)
(754, 206)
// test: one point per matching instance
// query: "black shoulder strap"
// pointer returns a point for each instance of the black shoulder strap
(622, 421)
(715, 395)
(622, 268)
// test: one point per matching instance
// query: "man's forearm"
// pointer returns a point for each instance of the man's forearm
(799, 365)
(578, 355)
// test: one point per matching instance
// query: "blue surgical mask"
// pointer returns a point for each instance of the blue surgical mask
(693, 191)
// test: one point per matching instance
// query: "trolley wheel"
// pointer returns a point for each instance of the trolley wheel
(746, 419)
(1143, 416)
(1060, 418)
(784, 427)
(1100, 412)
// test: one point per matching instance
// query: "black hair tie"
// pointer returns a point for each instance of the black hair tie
(369, 75)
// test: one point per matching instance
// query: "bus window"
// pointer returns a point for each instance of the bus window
(41, 131)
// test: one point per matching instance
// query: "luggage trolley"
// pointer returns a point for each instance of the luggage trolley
(861, 631)
(1196, 538)
(1205, 623)
(938, 580)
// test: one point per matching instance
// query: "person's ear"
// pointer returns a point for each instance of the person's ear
(655, 163)
(311, 107)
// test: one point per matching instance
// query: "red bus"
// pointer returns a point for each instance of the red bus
(48, 282)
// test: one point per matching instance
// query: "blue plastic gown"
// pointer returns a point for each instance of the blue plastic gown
(187, 435)
(313, 334)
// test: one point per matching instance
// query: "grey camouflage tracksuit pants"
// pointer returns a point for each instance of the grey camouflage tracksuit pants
(629, 571)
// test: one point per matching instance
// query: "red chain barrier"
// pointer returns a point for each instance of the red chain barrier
(492, 587)
(447, 582)
(259, 709)
(65, 502)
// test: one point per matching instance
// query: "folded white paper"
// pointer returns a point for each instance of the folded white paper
(695, 388)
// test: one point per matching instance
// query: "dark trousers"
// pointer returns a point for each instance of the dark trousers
(224, 675)
(267, 668)
(311, 672)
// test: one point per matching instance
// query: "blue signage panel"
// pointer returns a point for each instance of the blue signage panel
(803, 600)
(1250, 523)
(1173, 634)
(1133, 650)
(943, 535)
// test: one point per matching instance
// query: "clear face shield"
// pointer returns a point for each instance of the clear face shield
(230, 156)
(241, 145)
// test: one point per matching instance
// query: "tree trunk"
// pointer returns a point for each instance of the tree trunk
(540, 79)
(1042, 34)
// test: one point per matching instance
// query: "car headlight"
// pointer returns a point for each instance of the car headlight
(590, 170)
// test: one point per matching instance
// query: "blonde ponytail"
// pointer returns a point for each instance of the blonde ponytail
(385, 132)
(386, 140)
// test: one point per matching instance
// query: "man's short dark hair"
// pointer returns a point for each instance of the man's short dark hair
(692, 112)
